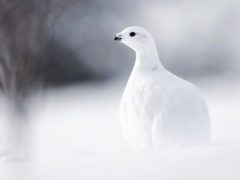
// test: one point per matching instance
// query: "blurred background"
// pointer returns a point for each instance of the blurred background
(62, 75)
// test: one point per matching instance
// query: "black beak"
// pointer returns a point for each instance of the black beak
(117, 38)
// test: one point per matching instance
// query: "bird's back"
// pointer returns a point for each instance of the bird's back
(166, 109)
(184, 115)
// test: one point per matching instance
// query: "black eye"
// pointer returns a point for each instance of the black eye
(132, 34)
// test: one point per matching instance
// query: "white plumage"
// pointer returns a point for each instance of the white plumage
(159, 109)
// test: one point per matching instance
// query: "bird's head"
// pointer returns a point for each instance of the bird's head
(136, 38)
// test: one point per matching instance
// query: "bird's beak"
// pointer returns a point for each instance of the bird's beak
(118, 37)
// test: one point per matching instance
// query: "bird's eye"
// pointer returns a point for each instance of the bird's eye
(132, 34)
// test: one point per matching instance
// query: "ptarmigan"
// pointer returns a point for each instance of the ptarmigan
(159, 110)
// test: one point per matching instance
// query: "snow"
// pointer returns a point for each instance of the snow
(77, 135)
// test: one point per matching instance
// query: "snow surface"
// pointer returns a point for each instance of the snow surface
(77, 135)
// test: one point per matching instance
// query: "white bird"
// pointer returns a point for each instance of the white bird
(159, 110)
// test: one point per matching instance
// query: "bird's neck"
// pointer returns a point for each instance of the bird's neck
(148, 60)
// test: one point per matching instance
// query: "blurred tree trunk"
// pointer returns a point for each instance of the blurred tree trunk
(25, 56)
